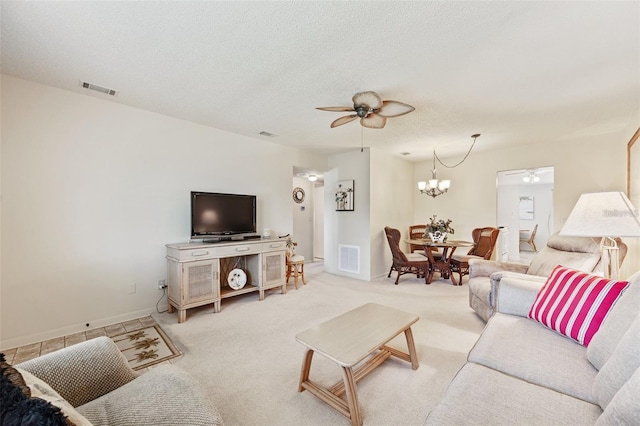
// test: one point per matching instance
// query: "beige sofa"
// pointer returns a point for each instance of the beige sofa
(573, 252)
(522, 373)
(93, 384)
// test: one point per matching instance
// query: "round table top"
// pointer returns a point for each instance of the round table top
(449, 243)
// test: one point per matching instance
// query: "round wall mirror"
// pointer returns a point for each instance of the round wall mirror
(298, 195)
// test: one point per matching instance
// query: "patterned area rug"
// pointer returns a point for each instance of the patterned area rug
(145, 347)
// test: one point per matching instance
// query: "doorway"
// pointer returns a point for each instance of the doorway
(525, 210)
(308, 214)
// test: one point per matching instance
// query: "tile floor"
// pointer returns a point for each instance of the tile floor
(34, 350)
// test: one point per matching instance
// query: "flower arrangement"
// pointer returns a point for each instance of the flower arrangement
(441, 225)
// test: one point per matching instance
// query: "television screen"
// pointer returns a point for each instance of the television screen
(217, 215)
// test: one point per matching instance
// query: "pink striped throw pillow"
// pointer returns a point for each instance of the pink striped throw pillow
(575, 303)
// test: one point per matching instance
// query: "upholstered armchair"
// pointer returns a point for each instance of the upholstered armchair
(581, 253)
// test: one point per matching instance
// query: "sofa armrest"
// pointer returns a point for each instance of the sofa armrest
(83, 372)
(484, 268)
(516, 295)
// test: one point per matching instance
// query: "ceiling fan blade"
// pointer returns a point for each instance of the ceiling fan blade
(370, 99)
(344, 120)
(373, 121)
(394, 109)
(335, 108)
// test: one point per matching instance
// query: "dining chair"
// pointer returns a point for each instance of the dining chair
(530, 239)
(412, 263)
(416, 232)
(484, 241)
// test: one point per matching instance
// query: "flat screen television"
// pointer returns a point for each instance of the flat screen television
(216, 216)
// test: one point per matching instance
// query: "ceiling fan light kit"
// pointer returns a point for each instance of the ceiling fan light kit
(531, 177)
(370, 109)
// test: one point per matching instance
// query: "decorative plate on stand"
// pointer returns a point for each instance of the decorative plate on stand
(237, 279)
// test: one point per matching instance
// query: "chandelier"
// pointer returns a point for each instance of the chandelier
(435, 187)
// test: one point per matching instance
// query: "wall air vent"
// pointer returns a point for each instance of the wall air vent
(349, 258)
(100, 89)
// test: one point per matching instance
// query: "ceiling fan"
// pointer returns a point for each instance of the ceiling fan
(371, 109)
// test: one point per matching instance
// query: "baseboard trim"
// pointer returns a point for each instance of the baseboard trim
(76, 328)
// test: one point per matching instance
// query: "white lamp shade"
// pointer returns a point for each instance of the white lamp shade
(603, 214)
(433, 183)
(422, 185)
(444, 184)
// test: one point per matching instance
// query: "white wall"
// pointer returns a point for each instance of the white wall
(590, 164)
(92, 191)
(391, 205)
(348, 227)
(318, 220)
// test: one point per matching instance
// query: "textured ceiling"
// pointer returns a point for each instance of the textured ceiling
(517, 72)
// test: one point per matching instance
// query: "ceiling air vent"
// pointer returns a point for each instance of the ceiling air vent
(270, 135)
(100, 89)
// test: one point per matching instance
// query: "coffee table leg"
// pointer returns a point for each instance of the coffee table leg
(306, 366)
(412, 348)
(352, 396)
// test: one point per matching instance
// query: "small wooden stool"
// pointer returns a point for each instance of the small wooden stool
(295, 267)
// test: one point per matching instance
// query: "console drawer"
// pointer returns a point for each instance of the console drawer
(238, 250)
(200, 253)
(274, 246)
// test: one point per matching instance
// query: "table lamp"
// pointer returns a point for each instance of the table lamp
(607, 215)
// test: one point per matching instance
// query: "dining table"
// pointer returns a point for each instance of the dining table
(440, 261)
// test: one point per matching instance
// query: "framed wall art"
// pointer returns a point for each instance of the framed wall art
(344, 196)
(526, 208)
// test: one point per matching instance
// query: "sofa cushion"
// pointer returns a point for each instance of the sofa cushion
(616, 324)
(526, 349)
(575, 303)
(40, 389)
(83, 372)
(164, 396)
(623, 408)
(620, 367)
(481, 395)
(574, 252)
(543, 263)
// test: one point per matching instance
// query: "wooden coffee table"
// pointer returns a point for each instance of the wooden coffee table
(347, 340)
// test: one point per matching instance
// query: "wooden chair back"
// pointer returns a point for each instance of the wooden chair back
(484, 241)
(533, 233)
(393, 237)
(416, 232)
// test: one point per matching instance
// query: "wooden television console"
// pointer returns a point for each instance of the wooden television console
(197, 272)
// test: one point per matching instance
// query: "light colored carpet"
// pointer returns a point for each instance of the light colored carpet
(247, 358)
